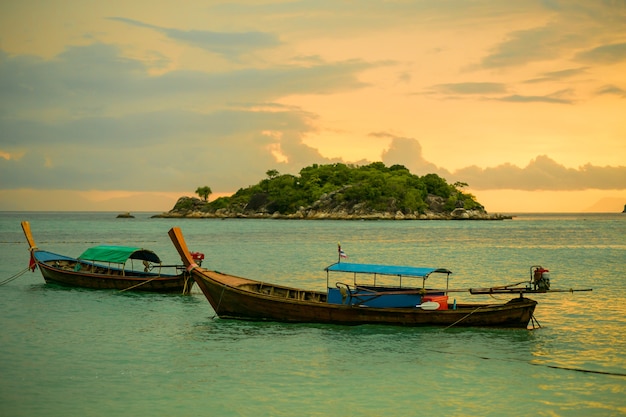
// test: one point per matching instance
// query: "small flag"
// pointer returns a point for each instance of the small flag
(32, 264)
(342, 254)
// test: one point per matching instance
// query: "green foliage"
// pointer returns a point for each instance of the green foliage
(272, 173)
(184, 204)
(374, 187)
(204, 192)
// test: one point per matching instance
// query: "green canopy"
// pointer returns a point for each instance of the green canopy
(118, 254)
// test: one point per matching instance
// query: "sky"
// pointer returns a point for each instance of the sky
(127, 106)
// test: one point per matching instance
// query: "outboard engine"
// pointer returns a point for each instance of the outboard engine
(197, 257)
(540, 278)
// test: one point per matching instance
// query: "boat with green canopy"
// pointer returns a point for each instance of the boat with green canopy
(123, 268)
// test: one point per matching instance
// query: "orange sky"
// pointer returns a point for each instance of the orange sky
(126, 106)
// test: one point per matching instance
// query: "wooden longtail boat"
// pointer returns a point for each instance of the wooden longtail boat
(106, 267)
(236, 297)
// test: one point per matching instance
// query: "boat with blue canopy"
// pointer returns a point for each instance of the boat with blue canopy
(377, 294)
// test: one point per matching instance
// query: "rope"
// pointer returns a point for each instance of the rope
(14, 277)
(464, 317)
(219, 302)
(186, 289)
(587, 371)
(534, 320)
(564, 368)
(138, 285)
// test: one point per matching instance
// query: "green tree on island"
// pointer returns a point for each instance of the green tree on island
(204, 192)
(271, 175)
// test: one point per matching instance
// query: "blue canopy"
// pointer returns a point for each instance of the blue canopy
(118, 254)
(385, 269)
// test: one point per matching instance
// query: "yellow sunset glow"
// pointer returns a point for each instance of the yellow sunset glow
(107, 101)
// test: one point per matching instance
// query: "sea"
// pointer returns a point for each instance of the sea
(78, 352)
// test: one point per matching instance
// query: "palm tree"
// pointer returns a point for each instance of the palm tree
(204, 192)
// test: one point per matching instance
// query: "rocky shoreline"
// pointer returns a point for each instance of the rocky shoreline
(316, 212)
(456, 215)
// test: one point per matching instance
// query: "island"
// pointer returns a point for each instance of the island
(341, 192)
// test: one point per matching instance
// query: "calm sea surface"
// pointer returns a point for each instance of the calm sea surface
(73, 352)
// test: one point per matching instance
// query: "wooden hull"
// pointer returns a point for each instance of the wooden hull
(68, 271)
(133, 281)
(180, 284)
(240, 298)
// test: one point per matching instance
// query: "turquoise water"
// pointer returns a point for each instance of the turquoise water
(74, 352)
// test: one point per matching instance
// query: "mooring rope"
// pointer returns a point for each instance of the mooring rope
(464, 317)
(534, 320)
(219, 302)
(14, 277)
(564, 368)
(187, 287)
(138, 285)
(587, 371)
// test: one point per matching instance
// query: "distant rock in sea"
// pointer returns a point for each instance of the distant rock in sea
(126, 215)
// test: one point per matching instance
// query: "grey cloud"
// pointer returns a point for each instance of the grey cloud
(493, 91)
(470, 88)
(109, 113)
(344, 19)
(570, 26)
(543, 173)
(228, 44)
(552, 99)
(605, 54)
(146, 152)
(527, 46)
(557, 75)
(407, 152)
(94, 80)
(613, 90)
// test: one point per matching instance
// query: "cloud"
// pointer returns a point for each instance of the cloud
(605, 54)
(470, 88)
(557, 75)
(145, 151)
(494, 91)
(612, 90)
(230, 45)
(97, 80)
(407, 152)
(543, 173)
(90, 117)
(524, 46)
(566, 27)
(554, 98)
